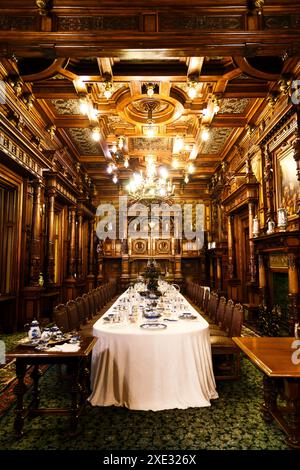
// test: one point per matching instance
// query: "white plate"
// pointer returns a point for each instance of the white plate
(153, 326)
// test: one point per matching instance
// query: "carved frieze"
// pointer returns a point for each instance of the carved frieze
(12, 150)
(282, 21)
(96, 23)
(169, 22)
(19, 23)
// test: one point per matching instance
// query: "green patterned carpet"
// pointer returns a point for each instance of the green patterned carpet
(233, 421)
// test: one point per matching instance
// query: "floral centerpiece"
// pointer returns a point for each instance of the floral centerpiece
(151, 276)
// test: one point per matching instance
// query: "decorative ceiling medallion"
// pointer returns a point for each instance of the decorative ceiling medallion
(135, 109)
(234, 105)
(144, 104)
(216, 141)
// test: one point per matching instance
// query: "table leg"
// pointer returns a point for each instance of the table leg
(75, 391)
(292, 388)
(35, 375)
(270, 398)
(19, 390)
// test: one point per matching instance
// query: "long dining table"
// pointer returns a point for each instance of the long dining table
(154, 368)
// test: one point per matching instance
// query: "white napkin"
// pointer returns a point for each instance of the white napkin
(65, 347)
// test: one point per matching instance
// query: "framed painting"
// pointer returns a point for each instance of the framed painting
(288, 189)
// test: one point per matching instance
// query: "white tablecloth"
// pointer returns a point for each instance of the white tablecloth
(153, 370)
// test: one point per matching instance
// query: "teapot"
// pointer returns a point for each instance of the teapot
(34, 331)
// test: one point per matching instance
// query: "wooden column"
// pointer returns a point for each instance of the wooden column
(252, 266)
(293, 278)
(35, 258)
(51, 192)
(70, 282)
(32, 293)
(91, 275)
(268, 178)
(79, 223)
(72, 244)
(262, 278)
(100, 262)
(219, 273)
(296, 146)
(178, 274)
(230, 248)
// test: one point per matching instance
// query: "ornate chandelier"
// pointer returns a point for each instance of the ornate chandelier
(153, 187)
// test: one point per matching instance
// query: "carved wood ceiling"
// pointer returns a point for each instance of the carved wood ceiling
(164, 45)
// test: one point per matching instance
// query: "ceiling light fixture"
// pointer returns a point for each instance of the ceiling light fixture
(84, 106)
(178, 144)
(190, 168)
(192, 88)
(96, 135)
(205, 135)
(121, 141)
(175, 163)
(108, 87)
(150, 189)
(150, 89)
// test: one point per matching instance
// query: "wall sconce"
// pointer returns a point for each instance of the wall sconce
(186, 178)
(126, 162)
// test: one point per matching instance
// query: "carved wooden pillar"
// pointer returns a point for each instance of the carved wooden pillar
(296, 146)
(178, 274)
(100, 262)
(268, 178)
(35, 258)
(230, 248)
(51, 192)
(262, 278)
(79, 224)
(293, 277)
(219, 273)
(70, 282)
(252, 267)
(72, 244)
(91, 276)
